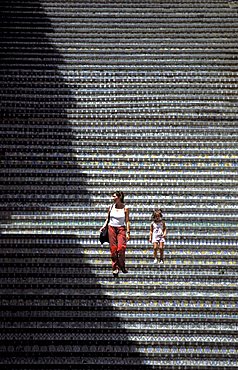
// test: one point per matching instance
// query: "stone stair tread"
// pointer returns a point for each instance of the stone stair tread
(107, 95)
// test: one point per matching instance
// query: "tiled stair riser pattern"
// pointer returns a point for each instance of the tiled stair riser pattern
(99, 96)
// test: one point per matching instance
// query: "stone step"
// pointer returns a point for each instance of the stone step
(131, 325)
(132, 362)
(139, 219)
(88, 233)
(133, 264)
(103, 270)
(99, 301)
(100, 127)
(222, 280)
(104, 156)
(139, 251)
(185, 291)
(163, 288)
(175, 190)
(137, 247)
(161, 314)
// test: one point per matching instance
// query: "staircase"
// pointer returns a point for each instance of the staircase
(98, 96)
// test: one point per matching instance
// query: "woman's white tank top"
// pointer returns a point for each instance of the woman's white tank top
(117, 217)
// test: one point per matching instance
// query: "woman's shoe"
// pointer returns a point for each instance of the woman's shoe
(124, 270)
(115, 273)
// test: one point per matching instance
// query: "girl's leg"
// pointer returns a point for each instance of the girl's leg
(113, 246)
(155, 246)
(121, 248)
(161, 251)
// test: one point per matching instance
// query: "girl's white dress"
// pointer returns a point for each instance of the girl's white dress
(157, 235)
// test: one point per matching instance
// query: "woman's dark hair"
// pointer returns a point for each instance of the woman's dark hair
(119, 194)
(157, 212)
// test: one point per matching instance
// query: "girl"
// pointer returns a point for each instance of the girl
(118, 231)
(158, 235)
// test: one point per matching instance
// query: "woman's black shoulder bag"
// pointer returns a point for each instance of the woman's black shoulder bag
(104, 237)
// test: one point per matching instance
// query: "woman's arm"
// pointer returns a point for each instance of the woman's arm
(128, 224)
(106, 221)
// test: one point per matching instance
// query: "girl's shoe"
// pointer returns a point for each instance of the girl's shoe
(156, 260)
(161, 262)
(124, 270)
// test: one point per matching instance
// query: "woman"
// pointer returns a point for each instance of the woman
(118, 231)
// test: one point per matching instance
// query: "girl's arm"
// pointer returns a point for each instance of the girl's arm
(164, 230)
(128, 224)
(151, 232)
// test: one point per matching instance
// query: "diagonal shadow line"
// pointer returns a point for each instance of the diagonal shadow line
(30, 266)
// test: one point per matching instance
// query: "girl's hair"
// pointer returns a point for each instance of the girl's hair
(157, 212)
(119, 194)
